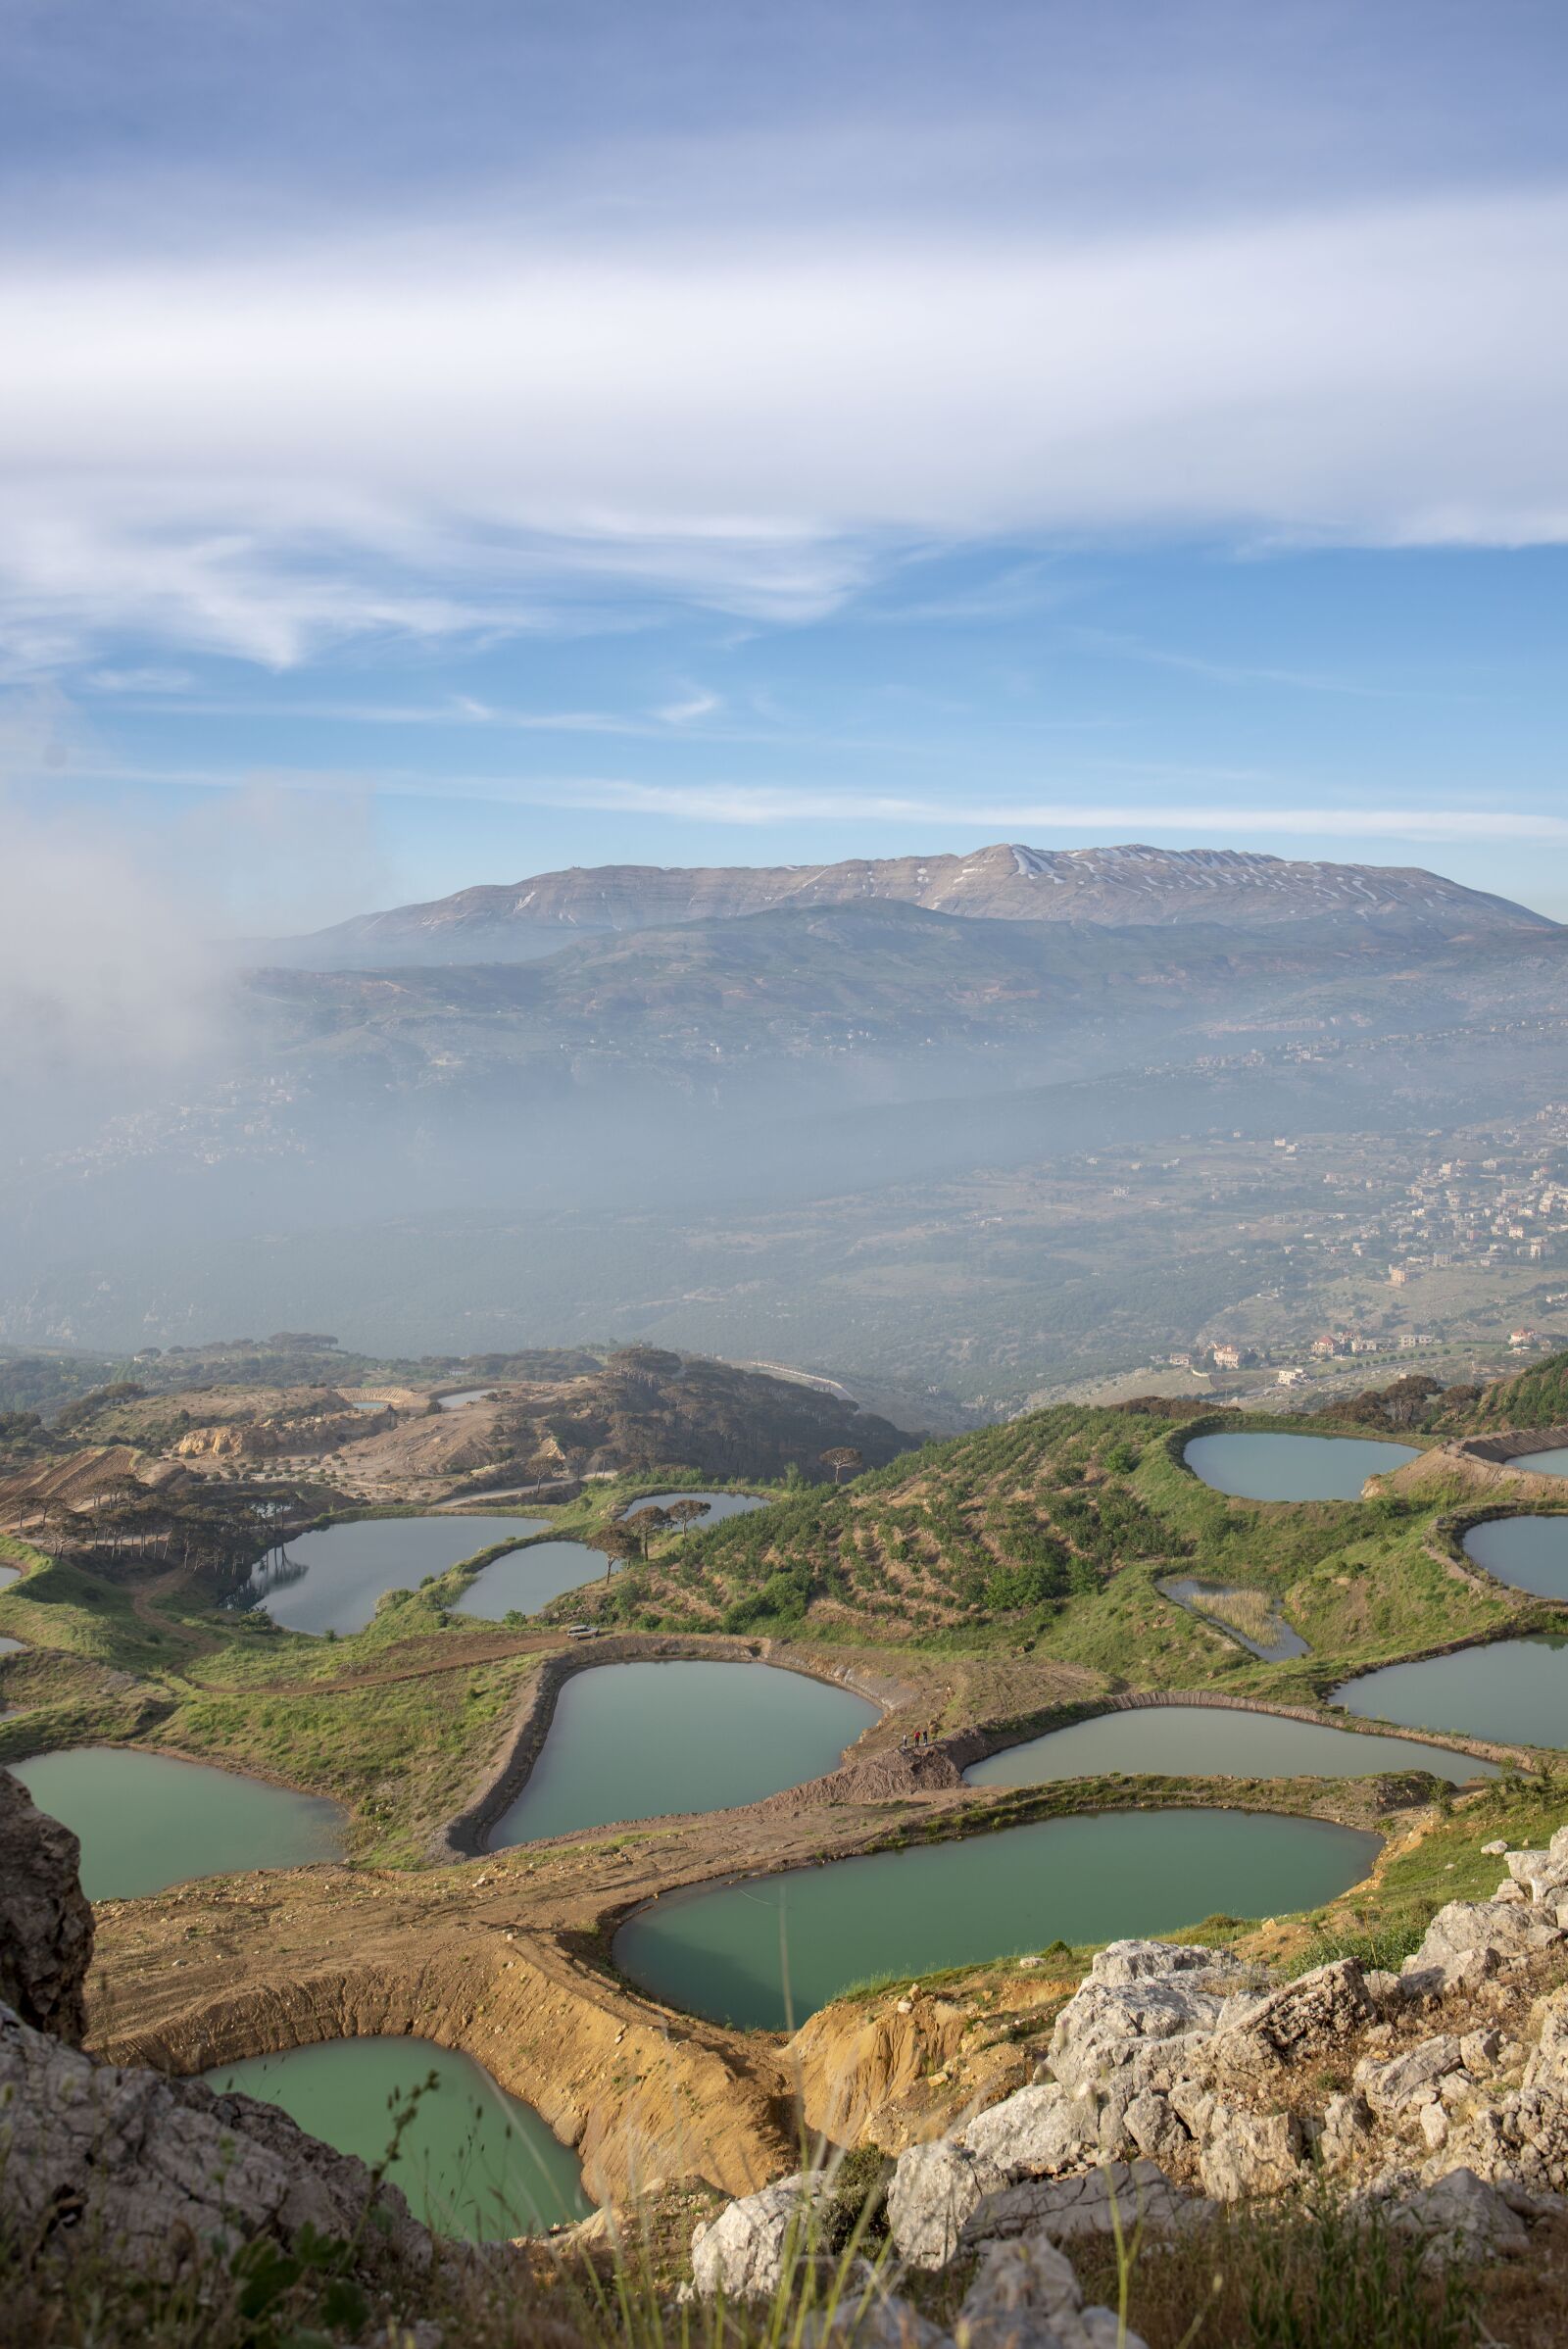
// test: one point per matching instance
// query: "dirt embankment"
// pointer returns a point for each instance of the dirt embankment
(1483, 1465)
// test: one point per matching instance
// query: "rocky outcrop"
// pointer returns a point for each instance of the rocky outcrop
(1180, 2079)
(145, 2162)
(142, 2160)
(45, 1921)
(1023, 2293)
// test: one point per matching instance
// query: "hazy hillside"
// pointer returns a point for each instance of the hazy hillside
(1121, 886)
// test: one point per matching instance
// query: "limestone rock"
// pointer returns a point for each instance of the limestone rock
(1521, 2140)
(1408, 2080)
(1463, 2216)
(743, 2252)
(1249, 2154)
(1548, 2066)
(1137, 1994)
(870, 2318)
(1347, 2132)
(1061, 2208)
(1036, 2131)
(1155, 2129)
(1306, 2020)
(932, 2192)
(142, 2159)
(1469, 1941)
(1025, 2296)
(45, 1922)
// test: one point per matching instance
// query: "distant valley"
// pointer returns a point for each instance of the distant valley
(799, 1116)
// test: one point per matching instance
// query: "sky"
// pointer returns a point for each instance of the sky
(442, 443)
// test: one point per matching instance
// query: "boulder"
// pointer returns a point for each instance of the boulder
(743, 2253)
(1091, 2203)
(1024, 2295)
(1520, 2141)
(1469, 1941)
(45, 1922)
(143, 2160)
(1032, 2132)
(1247, 2154)
(1548, 2066)
(1463, 2219)
(1306, 2020)
(1408, 2080)
(867, 2316)
(1137, 1996)
(1347, 2132)
(932, 2192)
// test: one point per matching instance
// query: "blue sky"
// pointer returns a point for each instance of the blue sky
(443, 443)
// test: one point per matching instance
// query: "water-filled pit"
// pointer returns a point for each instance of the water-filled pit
(1514, 1692)
(330, 1581)
(729, 1950)
(1214, 1742)
(1275, 1467)
(1528, 1553)
(474, 2162)
(640, 1740)
(146, 1820)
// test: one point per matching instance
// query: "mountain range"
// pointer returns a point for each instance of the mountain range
(1131, 886)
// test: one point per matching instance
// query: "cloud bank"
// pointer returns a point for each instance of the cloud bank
(273, 455)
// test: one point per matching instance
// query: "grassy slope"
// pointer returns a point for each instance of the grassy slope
(1051, 1532)
(400, 1752)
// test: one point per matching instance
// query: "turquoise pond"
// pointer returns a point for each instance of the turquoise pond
(770, 1950)
(330, 1581)
(1214, 1741)
(637, 1741)
(1514, 1692)
(146, 1820)
(1275, 1467)
(474, 2162)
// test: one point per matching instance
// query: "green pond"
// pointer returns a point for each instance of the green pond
(636, 1740)
(146, 1820)
(1272, 1467)
(1544, 1463)
(1530, 1552)
(1212, 1742)
(526, 1579)
(474, 2161)
(330, 1581)
(727, 1951)
(1513, 1691)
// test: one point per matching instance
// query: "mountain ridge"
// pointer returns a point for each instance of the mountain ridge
(1129, 885)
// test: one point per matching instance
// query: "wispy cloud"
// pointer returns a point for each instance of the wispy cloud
(1265, 809)
(439, 440)
(1232, 672)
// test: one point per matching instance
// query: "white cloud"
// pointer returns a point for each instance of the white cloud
(268, 456)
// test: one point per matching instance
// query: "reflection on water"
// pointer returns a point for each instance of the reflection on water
(330, 1579)
(1544, 1463)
